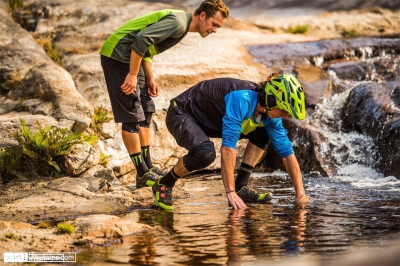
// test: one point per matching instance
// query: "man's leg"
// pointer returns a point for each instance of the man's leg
(258, 142)
(187, 134)
(251, 156)
(128, 111)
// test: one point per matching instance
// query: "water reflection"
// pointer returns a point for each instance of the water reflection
(203, 230)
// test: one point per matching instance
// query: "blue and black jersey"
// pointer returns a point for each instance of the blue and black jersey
(225, 106)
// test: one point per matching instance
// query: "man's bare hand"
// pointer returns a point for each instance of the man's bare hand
(152, 88)
(129, 85)
(235, 201)
(302, 200)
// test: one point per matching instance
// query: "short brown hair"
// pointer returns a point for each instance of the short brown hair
(210, 7)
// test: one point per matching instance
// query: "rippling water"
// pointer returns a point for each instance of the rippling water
(203, 230)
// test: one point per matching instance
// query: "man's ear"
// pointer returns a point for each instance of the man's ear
(202, 16)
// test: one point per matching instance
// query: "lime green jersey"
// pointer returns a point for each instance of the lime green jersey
(147, 35)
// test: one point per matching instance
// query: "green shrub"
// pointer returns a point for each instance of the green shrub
(14, 4)
(298, 29)
(103, 159)
(11, 236)
(9, 161)
(350, 33)
(47, 145)
(51, 51)
(101, 115)
(65, 228)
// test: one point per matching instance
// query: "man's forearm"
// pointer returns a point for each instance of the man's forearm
(293, 169)
(148, 71)
(228, 160)
(135, 62)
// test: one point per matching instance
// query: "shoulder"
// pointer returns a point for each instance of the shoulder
(178, 19)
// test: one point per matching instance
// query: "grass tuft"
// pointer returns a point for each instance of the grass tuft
(350, 33)
(44, 225)
(298, 29)
(65, 228)
(50, 49)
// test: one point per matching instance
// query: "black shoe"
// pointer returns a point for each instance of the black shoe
(147, 180)
(250, 195)
(162, 196)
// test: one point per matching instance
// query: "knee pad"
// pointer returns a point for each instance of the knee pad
(147, 121)
(130, 127)
(200, 157)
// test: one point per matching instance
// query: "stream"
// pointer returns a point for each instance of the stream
(203, 230)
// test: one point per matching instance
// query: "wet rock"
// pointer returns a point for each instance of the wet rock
(81, 157)
(305, 143)
(375, 69)
(371, 111)
(104, 226)
(316, 83)
(319, 53)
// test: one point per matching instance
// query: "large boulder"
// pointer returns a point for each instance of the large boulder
(26, 72)
(373, 109)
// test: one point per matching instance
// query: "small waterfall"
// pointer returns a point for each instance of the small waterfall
(351, 154)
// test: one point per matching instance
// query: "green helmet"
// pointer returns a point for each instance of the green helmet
(288, 93)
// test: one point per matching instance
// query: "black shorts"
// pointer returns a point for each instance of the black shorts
(126, 108)
(189, 133)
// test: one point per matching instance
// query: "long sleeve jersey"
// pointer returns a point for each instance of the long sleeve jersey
(147, 35)
(226, 107)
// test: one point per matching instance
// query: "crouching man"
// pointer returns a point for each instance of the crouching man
(233, 109)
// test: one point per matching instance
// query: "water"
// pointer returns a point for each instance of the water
(203, 230)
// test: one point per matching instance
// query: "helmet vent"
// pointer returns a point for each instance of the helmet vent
(300, 89)
(298, 94)
(283, 97)
(292, 102)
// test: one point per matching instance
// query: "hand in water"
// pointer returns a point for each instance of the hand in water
(302, 200)
(235, 201)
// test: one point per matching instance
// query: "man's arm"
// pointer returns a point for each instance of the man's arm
(293, 169)
(130, 83)
(152, 86)
(228, 159)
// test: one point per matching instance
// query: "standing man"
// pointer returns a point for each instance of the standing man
(126, 58)
(233, 109)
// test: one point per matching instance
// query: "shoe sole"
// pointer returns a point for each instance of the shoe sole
(160, 204)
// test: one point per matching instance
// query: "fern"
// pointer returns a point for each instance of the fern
(9, 161)
(47, 145)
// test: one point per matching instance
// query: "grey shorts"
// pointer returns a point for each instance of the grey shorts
(189, 133)
(126, 108)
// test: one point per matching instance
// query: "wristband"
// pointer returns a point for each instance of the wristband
(229, 191)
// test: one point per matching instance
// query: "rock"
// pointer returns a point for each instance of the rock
(305, 141)
(375, 70)
(109, 129)
(104, 226)
(10, 122)
(370, 110)
(81, 157)
(101, 172)
(316, 83)
(27, 72)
